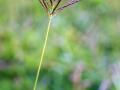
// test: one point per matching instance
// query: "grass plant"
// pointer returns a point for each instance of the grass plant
(52, 7)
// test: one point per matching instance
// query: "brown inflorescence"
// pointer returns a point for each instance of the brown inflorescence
(53, 6)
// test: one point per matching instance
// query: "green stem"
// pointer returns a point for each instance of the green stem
(42, 54)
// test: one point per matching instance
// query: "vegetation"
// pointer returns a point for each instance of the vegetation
(82, 53)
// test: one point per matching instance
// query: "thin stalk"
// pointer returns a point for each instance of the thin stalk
(42, 54)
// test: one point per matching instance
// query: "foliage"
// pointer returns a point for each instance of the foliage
(82, 51)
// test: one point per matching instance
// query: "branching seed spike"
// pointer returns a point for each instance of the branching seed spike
(53, 6)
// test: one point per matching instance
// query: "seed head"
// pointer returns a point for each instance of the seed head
(55, 6)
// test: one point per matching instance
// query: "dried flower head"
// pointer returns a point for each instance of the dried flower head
(54, 6)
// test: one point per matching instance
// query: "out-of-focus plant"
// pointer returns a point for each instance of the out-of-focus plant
(88, 34)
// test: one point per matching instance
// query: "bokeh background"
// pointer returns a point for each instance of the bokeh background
(83, 50)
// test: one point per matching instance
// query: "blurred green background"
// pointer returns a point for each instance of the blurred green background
(83, 50)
